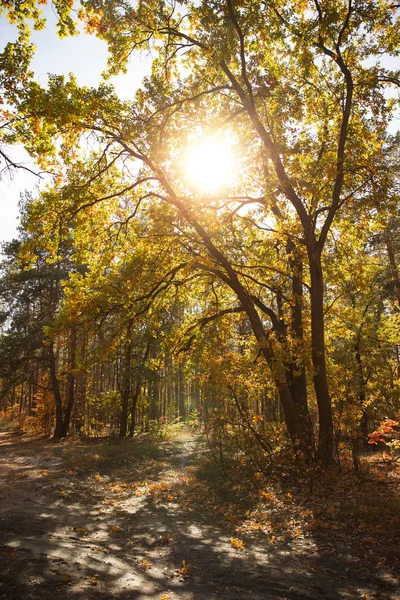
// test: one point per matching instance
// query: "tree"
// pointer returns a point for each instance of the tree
(288, 81)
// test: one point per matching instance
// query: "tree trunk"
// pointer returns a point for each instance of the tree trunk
(55, 386)
(181, 394)
(125, 388)
(296, 371)
(133, 410)
(71, 384)
(325, 442)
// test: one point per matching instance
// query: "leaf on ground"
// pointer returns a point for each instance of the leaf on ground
(80, 529)
(267, 496)
(185, 569)
(115, 529)
(296, 533)
(145, 565)
(236, 543)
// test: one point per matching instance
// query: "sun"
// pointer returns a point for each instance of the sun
(210, 164)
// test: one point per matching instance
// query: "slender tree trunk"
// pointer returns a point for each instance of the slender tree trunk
(55, 386)
(393, 269)
(181, 394)
(133, 410)
(71, 384)
(325, 442)
(362, 396)
(125, 389)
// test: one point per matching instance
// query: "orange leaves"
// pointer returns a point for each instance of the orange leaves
(296, 533)
(115, 529)
(267, 496)
(145, 565)
(237, 544)
(184, 571)
(384, 431)
(82, 530)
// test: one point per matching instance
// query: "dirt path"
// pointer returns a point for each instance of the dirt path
(127, 520)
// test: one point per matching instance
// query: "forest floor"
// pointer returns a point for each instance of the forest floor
(132, 519)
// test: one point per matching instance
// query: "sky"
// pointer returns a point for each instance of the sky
(86, 57)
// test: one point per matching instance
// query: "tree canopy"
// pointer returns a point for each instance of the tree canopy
(290, 261)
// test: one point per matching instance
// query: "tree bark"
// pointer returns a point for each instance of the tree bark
(55, 386)
(320, 380)
(71, 384)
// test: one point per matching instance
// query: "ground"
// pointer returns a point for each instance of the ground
(132, 519)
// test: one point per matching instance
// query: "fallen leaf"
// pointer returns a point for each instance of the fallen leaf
(80, 529)
(237, 544)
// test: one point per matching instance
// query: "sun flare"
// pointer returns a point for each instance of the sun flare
(209, 165)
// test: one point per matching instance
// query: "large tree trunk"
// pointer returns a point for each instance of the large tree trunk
(326, 441)
(296, 371)
(291, 385)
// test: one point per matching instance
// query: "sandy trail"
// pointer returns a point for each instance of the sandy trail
(106, 521)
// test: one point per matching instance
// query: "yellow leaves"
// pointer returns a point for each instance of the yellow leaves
(166, 596)
(185, 569)
(145, 565)
(237, 544)
(93, 580)
(98, 478)
(252, 526)
(158, 488)
(258, 418)
(296, 533)
(97, 458)
(267, 496)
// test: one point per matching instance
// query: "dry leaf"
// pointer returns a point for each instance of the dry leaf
(145, 565)
(237, 544)
(80, 529)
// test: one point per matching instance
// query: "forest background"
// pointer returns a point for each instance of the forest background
(221, 249)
